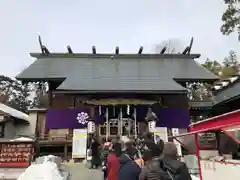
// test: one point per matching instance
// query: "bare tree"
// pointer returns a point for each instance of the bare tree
(173, 45)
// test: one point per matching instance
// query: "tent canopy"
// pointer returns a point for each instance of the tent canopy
(222, 122)
(217, 122)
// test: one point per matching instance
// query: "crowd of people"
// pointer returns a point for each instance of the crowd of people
(141, 159)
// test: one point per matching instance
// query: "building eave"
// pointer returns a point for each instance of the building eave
(180, 80)
(227, 100)
(198, 105)
(88, 55)
(46, 79)
(118, 91)
(37, 110)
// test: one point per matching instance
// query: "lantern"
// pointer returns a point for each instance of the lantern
(152, 126)
(151, 119)
(91, 126)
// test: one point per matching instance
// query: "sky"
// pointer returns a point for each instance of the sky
(107, 24)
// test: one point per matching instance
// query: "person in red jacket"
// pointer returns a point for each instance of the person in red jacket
(113, 162)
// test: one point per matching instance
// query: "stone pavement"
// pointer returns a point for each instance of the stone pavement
(10, 173)
(81, 172)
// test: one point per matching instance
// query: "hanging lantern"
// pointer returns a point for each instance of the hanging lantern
(91, 126)
(151, 119)
(151, 116)
(128, 109)
(100, 110)
(152, 126)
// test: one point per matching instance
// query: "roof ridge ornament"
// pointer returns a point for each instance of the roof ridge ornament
(45, 51)
(94, 50)
(117, 50)
(43, 48)
(188, 49)
(140, 50)
(69, 49)
(163, 50)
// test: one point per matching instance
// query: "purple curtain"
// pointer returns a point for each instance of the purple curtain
(173, 118)
(141, 112)
(75, 117)
(168, 117)
(66, 118)
(99, 118)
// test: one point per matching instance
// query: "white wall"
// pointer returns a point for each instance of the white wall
(28, 129)
(219, 170)
(9, 130)
(12, 130)
(208, 153)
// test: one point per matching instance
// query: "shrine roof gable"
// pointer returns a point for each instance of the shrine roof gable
(125, 69)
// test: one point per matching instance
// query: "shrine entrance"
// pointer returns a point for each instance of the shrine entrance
(119, 127)
(120, 117)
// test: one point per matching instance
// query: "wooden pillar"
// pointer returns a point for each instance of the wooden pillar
(65, 151)
(49, 95)
(195, 116)
(37, 151)
(49, 104)
(74, 101)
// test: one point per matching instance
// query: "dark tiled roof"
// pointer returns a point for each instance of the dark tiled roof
(114, 84)
(228, 92)
(130, 72)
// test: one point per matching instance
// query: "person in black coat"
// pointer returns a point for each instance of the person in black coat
(95, 153)
(175, 167)
(128, 168)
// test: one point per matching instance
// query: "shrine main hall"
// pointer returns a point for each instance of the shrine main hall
(116, 90)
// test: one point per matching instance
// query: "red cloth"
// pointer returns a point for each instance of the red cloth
(113, 166)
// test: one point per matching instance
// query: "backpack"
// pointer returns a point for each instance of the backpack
(156, 171)
(159, 170)
(173, 170)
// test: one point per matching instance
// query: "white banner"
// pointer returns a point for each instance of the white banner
(162, 133)
(175, 132)
(79, 143)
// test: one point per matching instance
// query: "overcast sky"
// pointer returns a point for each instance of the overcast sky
(107, 24)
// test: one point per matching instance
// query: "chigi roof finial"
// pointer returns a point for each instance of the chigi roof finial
(43, 48)
(69, 49)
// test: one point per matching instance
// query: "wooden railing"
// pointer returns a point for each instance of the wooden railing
(55, 137)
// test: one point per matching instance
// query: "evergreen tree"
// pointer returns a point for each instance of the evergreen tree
(231, 17)
(14, 93)
(230, 65)
(40, 99)
(213, 66)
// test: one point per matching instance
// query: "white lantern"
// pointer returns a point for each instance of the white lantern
(152, 126)
(91, 127)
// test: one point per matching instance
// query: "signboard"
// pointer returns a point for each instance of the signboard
(175, 132)
(15, 154)
(79, 143)
(162, 133)
(207, 140)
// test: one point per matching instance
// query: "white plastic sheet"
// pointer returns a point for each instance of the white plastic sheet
(195, 177)
(22, 139)
(46, 171)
